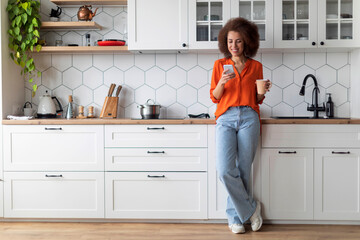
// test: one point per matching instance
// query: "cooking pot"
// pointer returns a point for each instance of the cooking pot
(149, 111)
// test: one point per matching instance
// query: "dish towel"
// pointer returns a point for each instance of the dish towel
(11, 117)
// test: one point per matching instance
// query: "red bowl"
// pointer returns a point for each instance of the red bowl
(111, 43)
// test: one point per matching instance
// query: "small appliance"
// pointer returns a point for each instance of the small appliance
(47, 107)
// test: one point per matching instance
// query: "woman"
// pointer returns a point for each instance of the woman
(238, 119)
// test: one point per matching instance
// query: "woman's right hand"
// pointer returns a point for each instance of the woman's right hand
(225, 77)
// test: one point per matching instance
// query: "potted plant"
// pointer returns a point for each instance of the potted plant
(24, 35)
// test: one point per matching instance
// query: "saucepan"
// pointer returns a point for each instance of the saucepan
(149, 111)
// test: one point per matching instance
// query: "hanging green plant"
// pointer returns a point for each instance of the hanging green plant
(24, 35)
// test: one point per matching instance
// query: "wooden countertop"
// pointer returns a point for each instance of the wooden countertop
(98, 121)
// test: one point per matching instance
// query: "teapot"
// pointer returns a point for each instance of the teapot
(47, 108)
(85, 14)
(56, 13)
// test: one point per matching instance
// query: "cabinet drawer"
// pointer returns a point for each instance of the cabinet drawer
(54, 148)
(54, 195)
(156, 136)
(309, 135)
(156, 159)
(156, 195)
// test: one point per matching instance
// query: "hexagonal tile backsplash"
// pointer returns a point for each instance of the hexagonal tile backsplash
(178, 82)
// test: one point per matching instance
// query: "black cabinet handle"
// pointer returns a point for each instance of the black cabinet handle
(287, 152)
(155, 176)
(156, 128)
(184, 44)
(333, 152)
(313, 43)
(54, 176)
(55, 129)
(156, 152)
(322, 43)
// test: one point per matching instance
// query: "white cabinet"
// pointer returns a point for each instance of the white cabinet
(261, 13)
(156, 171)
(45, 171)
(287, 183)
(204, 30)
(156, 159)
(206, 18)
(54, 195)
(156, 195)
(156, 136)
(158, 24)
(317, 175)
(53, 148)
(321, 23)
(337, 184)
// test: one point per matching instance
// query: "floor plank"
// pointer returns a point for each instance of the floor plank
(171, 231)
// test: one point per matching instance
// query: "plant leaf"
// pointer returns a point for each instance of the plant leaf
(34, 87)
(38, 48)
(17, 30)
(25, 5)
(39, 74)
(24, 17)
(36, 33)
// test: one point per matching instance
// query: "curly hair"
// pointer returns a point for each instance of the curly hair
(249, 32)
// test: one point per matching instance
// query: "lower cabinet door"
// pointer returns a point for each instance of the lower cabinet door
(337, 184)
(1, 199)
(53, 195)
(156, 195)
(287, 184)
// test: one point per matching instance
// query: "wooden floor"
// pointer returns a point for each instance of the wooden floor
(171, 231)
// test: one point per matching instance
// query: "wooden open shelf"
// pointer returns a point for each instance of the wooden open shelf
(70, 26)
(90, 2)
(83, 49)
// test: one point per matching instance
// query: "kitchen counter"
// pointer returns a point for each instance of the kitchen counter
(118, 121)
(99, 121)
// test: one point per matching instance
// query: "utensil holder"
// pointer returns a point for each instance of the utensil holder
(109, 109)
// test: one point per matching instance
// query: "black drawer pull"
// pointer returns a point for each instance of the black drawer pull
(155, 176)
(53, 176)
(155, 128)
(287, 152)
(156, 152)
(333, 152)
(53, 128)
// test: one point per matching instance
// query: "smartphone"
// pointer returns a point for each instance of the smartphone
(230, 68)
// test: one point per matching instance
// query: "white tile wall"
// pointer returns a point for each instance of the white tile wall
(179, 82)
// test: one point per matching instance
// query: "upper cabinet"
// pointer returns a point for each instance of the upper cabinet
(206, 18)
(322, 23)
(261, 13)
(158, 25)
(204, 30)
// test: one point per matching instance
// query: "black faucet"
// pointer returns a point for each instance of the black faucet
(314, 106)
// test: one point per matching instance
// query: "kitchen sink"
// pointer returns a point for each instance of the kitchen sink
(304, 117)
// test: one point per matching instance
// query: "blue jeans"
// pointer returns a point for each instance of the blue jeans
(237, 134)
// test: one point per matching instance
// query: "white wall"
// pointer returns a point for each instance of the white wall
(12, 82)
(355, 84)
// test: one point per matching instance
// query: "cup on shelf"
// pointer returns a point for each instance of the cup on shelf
(58, 43)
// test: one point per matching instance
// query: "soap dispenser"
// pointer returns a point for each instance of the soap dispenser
(329, 107)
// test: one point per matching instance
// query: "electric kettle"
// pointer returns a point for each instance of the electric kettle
(47, 107)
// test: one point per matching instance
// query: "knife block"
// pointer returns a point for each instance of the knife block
(109, 109)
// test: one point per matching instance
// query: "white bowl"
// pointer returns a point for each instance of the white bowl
(331, 16)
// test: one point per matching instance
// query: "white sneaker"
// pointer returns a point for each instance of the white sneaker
(256, 219)
(237, 228)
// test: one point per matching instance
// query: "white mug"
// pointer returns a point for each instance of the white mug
(261, 85)
(29, 112)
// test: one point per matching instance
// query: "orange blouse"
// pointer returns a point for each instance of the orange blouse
(239, 91)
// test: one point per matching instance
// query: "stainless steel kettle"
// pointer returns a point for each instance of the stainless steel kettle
(47, 107)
